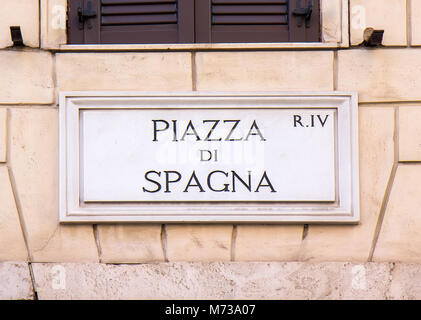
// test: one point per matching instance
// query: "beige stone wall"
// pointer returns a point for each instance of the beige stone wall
(387, 80)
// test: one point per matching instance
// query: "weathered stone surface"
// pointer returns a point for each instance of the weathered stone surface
(331, 20)
(27, 77)
(405, 282)
(415, 22)
(23, 13)
(268, 242)
(297, 70)
(15, 281)
(399, 238)
(353, 243)
(130, 243)
(389, 16)
(381, 75)
(3, 134)
(199, 242)
(34, 161)
(124, 71)
(410, 133)
(12, 244)
(219, 280)
(53, 23)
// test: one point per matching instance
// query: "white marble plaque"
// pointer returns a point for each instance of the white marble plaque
(208, 157)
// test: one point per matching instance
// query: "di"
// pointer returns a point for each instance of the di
(207, 155)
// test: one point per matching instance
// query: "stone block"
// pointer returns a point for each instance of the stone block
(268, 242)
(399, 238)
(23, 13)
(353, 242)
(12, 244)
(124, 71)
(285, 70)
(389, 16)
(130, 243)
(406, 282)
(34, 162)
(381, 75)
(15, 281)
(199, 242)
(410, 133)
(27, 77)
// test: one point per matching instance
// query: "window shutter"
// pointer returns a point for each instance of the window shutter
(132, 21)
(255, 21)
(187, 21)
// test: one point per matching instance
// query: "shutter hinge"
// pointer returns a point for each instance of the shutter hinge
(304, 14)
(85, 15)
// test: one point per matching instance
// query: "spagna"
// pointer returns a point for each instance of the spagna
(164, 181)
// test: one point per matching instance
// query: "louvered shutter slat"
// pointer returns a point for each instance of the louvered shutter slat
(243, 2)
(250, 9)
(119, 2)
(249, 19)
(138, 9)
(139, 19)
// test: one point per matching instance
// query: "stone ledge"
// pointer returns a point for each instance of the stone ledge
(228, 280)
(195, 46)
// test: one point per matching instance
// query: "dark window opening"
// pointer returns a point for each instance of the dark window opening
(192, 21)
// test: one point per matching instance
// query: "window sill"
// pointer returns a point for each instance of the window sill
(200, 46)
